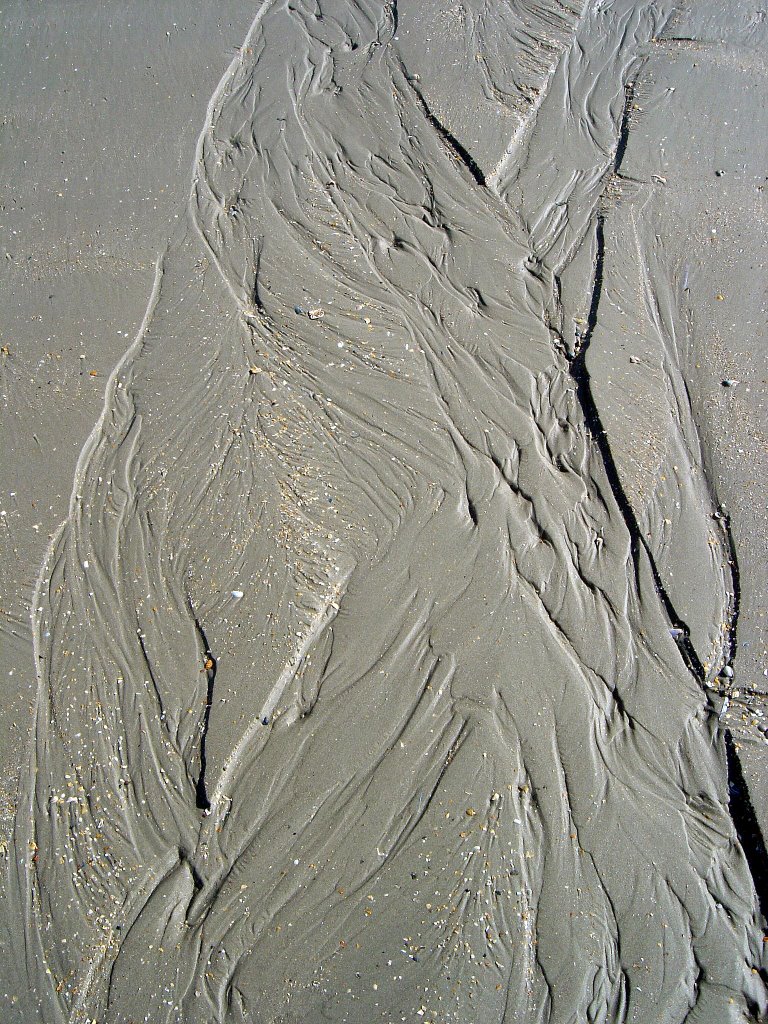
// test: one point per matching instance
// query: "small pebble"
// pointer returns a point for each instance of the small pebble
(727, 672)
(730, 383)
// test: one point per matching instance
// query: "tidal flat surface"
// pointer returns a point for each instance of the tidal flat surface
(387, 654)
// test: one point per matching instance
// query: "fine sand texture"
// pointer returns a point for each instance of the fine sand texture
(391, 609)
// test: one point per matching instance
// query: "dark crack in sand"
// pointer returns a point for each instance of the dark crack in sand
(373, 651)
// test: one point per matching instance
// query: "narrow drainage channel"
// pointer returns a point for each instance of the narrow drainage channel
(746, 824)
(581, 379)
(209, 667)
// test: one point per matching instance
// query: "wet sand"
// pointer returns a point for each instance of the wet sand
(385, 536)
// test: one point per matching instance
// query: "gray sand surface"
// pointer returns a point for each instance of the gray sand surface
(383, 512)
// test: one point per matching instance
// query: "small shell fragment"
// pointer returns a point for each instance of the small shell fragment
(316, 314)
